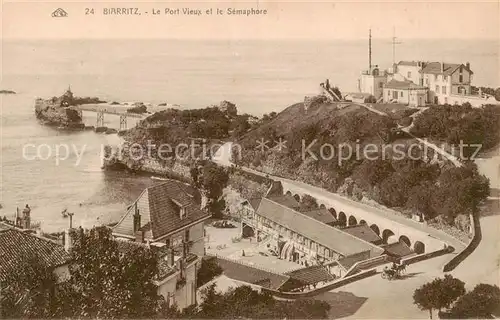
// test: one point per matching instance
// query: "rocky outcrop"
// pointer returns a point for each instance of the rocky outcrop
(59, 112)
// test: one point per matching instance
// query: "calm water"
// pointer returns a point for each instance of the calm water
(259, 77)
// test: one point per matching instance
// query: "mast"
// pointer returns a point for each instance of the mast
(394, 43)
(369, 50)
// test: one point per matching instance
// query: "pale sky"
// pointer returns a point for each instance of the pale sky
(284, 20)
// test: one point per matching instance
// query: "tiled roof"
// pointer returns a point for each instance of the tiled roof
(241, 272)
(322, 215)
(398, 249)
(395, 84)
(159, 211)
(409, 63)
(448, 68)
(287, 201)
(255, 203)
(364, 232)
(348, 262)
(327, 236)
(16, 246)
(311, 275)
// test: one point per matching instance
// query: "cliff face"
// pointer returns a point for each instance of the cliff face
(52, 112)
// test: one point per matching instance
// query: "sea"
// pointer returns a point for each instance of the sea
(258, 76)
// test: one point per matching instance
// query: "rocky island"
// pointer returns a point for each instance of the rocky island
(61, 111)
(7, 92)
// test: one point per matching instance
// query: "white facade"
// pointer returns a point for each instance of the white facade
(372, 82)
(182, 294)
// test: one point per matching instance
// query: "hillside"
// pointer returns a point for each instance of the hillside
(351, 150)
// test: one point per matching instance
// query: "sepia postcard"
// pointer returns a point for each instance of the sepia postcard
(250, 159)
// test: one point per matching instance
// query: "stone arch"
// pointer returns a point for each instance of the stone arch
(386, 235)
(333, 212)
(362, 221)
(322, 206)
(419, 247)
(288, 193)
(352, 221)
(342, 218)
(406, 240)
(297, 197)
(247, 231)
(375, 229)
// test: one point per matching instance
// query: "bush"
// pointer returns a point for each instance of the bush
(140, 109)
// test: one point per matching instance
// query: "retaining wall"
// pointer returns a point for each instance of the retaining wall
(476, 239)
(429, 255)
(367, 264)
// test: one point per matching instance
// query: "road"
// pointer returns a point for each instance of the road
(222, 157)
(394, 299)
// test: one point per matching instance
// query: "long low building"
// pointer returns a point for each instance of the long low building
(300, 238)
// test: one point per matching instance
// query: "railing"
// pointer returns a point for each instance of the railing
(100, 110)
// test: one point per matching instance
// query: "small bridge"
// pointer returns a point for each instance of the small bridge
(101, 110)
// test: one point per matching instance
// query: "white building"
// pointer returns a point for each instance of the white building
(372, 82)
(405, 92)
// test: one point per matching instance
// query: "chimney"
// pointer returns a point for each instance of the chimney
(137, 219)
(442, 66)
(139, 236)
(68, 241)
(468, 65)
(170, 258)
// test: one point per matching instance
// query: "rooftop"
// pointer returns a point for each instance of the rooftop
(286, 200)
(158, 207)
(311, 275)
(322, 215)
(448, 68)
(403, 85)
(16, 246)
(241, 272)
(397, 249)
(364, 232)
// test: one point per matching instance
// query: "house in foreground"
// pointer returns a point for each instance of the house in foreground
(168, 217)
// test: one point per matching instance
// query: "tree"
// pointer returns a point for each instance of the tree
(244, 302)
(479, 303)
(308, 203)
(213, 181)
(29, 293)
(105, 283)
(438, 294)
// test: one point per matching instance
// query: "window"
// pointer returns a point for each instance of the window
(409, 74)
(401, 94)
(460, 78)
(380, 84)
(445, 78)
(444, 89)
(182, 213)
(186, 235)
(426, 81)
(437, 89)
